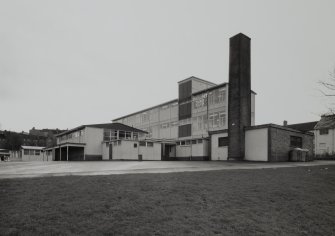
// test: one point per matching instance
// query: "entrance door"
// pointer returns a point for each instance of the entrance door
(110, 151)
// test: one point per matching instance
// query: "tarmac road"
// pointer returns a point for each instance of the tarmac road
(56, 168)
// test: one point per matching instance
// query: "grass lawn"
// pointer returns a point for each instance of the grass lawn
(283, 201)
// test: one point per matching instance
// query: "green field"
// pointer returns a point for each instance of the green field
(283, 201)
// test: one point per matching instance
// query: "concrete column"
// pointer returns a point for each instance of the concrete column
(239, 97)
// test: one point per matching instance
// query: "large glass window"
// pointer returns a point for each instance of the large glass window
(128, 135)
(121, 134)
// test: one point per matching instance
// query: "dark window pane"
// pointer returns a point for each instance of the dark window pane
(184, 130)
(323, 131)
(223, 141)
(295, 142)
(142, 143)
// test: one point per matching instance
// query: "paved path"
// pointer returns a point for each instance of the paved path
(37, 169)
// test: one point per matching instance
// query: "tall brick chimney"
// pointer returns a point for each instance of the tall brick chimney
(239, 97)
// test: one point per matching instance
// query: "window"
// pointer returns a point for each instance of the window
(128, 134)
(165, 125)
(184, 130)
(175, 123)
(194, 141)
(142, 143)
(295, 142)
(165, 107)
(223, 141)
(106, 135)
(199, 140)
(150, 144)
(322, 145)
(135, 135)
(110, 134)
(222, 119)
(31, 152)
(323, 131)
(187, 142)
(121, 134)
(26, 152)
(185, 110)
(37, 152)
(135, 145)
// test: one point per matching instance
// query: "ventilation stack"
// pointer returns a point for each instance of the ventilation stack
(239, 97)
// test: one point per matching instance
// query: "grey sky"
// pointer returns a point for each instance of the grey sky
(67, 63)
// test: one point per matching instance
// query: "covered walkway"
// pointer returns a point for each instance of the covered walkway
(70, 152)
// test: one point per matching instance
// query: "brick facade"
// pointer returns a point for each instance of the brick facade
(279, 143)
(239, 98)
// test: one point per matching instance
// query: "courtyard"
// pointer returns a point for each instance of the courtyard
(40, 169)
(238, 199)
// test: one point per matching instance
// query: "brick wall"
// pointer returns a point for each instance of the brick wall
(239, 96)
(279, 143)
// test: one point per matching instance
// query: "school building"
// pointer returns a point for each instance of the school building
(207, 121)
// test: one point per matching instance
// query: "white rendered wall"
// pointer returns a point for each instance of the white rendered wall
(105, 151)
(198, 150)
(324, 143)
(183, 151)
(94, 138)
(218, 153)
(125, 151)
(151, 153)
(256, 145)
(32, 157)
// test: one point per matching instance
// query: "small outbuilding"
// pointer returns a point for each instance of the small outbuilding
(273, 143)
(33, 153)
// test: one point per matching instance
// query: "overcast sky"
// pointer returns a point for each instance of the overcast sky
(68, 63)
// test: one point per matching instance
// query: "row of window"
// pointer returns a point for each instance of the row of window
(110, 135)
(199, 123)
(76, 134)
(216, 96)
(189, 142)
(141, 143)
(32, 152)
(144, 117)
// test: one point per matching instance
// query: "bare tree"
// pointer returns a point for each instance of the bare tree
(328, 90)
(328, 86)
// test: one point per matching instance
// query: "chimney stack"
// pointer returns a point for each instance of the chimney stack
(239, 94)
(285, 123)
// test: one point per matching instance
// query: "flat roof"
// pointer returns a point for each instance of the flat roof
(32, 147)
(175, 100)
(114, 125)
(198, 79)
(270, 125)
